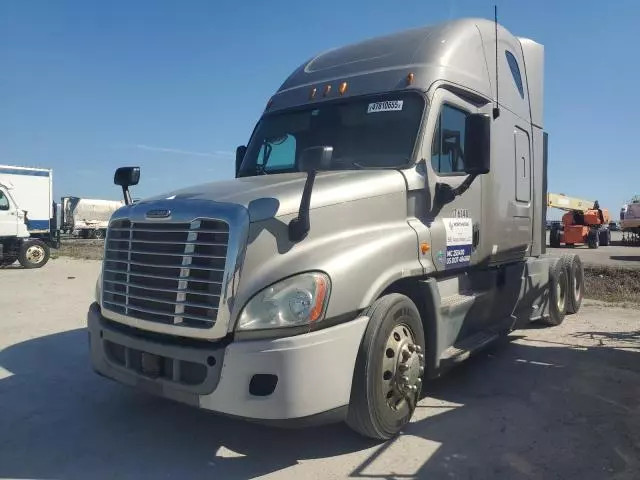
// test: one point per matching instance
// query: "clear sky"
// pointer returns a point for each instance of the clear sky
(86, 86)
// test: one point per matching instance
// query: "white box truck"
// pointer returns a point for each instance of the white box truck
(28, 220)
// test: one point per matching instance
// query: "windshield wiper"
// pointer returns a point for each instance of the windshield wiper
(371, 167)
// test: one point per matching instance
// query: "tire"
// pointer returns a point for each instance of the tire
(558, 286)
(33, 254)
(554, 238)
(575, 287)
(8, 260)
(593, 239)
(605, 237)
(393, 321)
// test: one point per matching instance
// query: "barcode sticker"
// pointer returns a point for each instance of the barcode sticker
(388, 106)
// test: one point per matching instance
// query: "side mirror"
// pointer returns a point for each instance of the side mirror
(126, 177)
(315, 158)
(240, 153)
(477, 144)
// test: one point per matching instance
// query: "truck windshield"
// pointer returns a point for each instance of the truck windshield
(371, 132)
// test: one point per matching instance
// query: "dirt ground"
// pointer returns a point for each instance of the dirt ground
(549, 403)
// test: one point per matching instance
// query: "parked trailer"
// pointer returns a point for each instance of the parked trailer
(386, 221)
(630, 221)
(28, 218)
(88, 217)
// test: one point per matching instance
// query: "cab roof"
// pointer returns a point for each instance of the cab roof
(459, 52)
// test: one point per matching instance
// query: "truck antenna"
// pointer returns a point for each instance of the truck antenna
(496, 109)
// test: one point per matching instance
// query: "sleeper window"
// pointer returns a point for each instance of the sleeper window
(515, 71)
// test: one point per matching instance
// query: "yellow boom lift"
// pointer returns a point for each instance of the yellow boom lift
(583, 223)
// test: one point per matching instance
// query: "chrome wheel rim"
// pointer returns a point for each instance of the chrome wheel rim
(35, 254)
(560, 296)
(402, 368)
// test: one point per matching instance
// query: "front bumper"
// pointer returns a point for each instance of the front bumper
(277, 379)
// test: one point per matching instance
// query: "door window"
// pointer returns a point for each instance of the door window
(447, 149)
(4, 201)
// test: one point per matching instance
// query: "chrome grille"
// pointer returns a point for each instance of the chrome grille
(170, 273)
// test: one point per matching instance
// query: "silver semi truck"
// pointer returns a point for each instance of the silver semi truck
(386, 222)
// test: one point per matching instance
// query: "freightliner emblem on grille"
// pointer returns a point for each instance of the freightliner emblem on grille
(158, 213)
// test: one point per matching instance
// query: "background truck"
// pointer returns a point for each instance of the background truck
(28, 218)
(583, 223)
(87, 217)
(630, 221)
(387, 220)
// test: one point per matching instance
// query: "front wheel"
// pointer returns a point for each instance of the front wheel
(387, 379)
(33, 254)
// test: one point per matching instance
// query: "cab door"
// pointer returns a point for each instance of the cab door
(454, 220)
(8, 216)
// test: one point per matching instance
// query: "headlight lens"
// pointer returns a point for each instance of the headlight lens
(299, 300)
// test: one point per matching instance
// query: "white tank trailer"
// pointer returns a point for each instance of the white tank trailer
(87, 217)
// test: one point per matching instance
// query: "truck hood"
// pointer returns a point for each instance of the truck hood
(268, 196)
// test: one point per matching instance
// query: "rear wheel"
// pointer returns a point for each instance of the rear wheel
(593, 239)
(33, 254)
(387, 379)
(575, 287)
(558, 286)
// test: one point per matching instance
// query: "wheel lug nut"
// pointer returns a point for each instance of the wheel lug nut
(419, 382)
(405, 355)
(421, 370)
(405, 379)
(403, 368)
(418, 349)
(420, 356)
(411, 347)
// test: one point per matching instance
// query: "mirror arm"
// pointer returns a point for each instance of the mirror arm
(464, 186)
(445, 194)
(126, 194)
(299, 226)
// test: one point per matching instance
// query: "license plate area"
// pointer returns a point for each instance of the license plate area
(151, 365)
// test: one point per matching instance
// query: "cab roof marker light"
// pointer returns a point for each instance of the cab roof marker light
(410, 78)
(312, 95)
(327, 90)
(343, 88)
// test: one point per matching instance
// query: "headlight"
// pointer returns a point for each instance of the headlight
(299, 300)
(98, 290)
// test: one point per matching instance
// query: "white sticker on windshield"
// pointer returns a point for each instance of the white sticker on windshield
(389, 106)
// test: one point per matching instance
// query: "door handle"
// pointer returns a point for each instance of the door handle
(476, 235)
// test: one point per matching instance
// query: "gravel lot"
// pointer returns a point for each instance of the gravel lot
(615, 255)
(549, 403)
